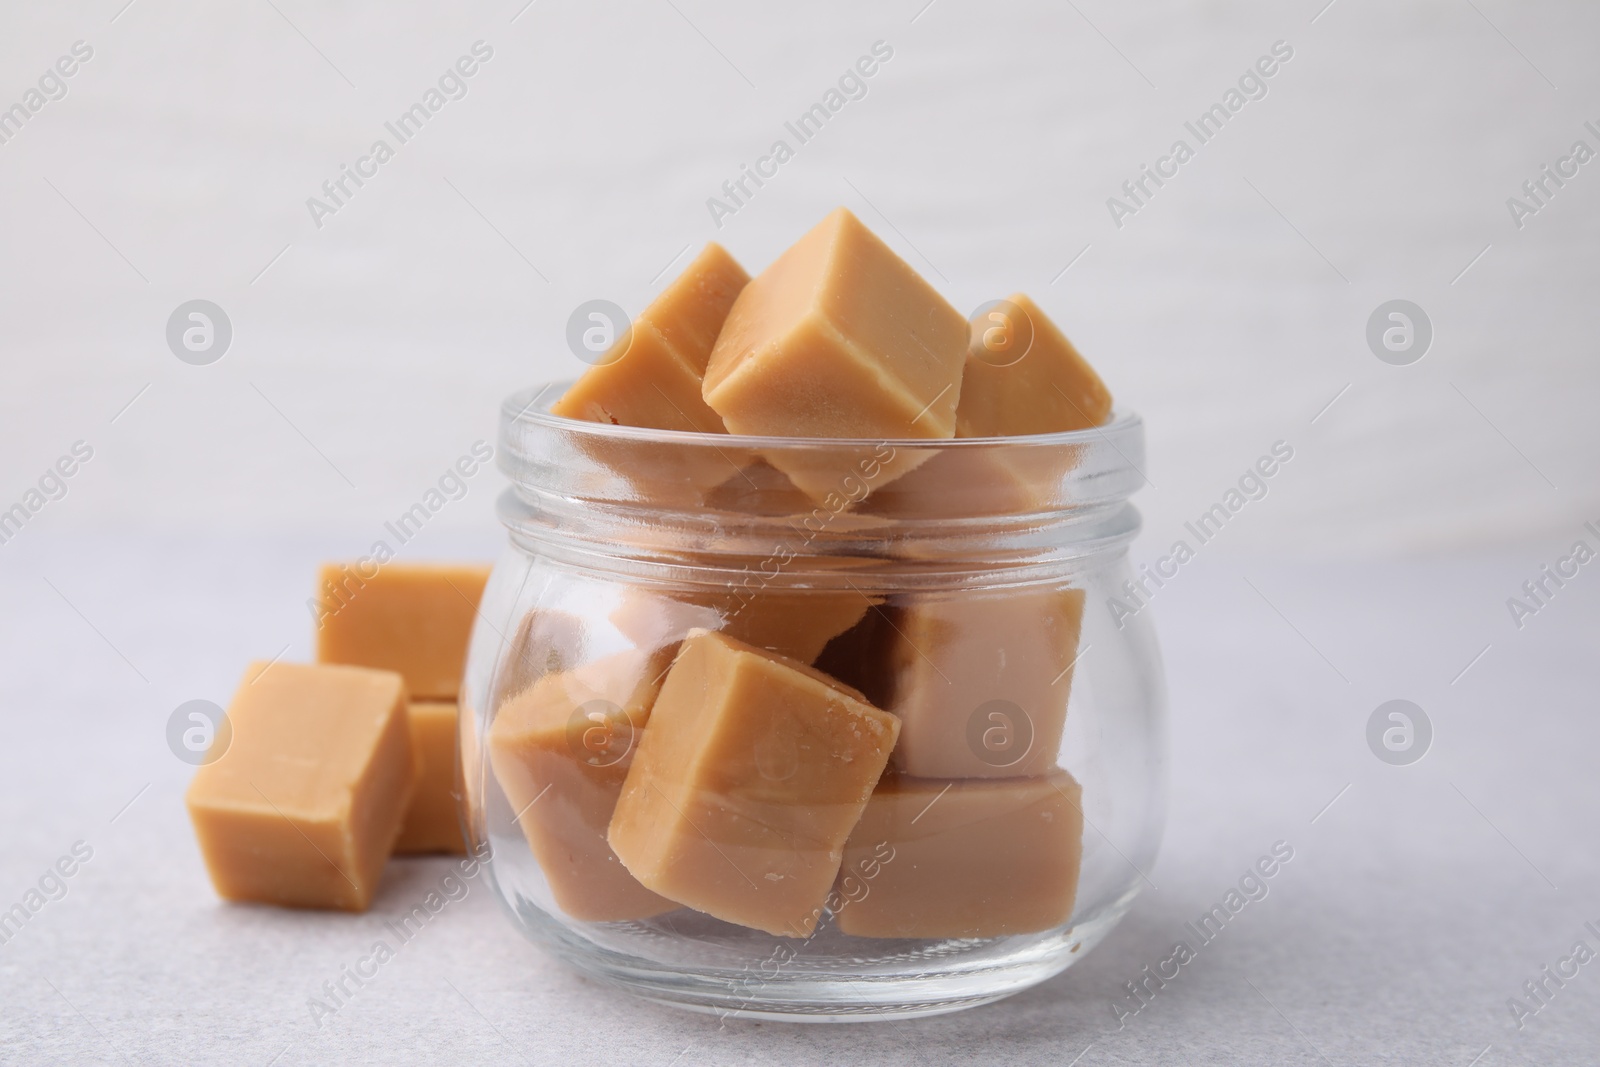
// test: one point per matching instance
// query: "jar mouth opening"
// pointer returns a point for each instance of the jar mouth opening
(530, 408)
(679, 497)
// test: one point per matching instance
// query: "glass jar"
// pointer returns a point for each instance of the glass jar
(680, 676)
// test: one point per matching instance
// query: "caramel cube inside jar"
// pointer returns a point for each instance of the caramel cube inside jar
(963, 858)
(1022, 376)
(752, 773)
(795, 623)
(432, 823)
(838, 338)
(652, 377)
(980, 680)
(560, 750)
(304, 805)
(546, 641)
(412, 618)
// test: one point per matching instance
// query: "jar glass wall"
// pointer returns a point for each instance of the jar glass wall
(674, 717)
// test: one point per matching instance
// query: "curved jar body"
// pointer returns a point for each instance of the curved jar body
(874, 750)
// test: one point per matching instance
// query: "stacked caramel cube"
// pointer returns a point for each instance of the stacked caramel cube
(331, 767)
(892, 761)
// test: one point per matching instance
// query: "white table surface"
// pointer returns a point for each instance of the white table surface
(1415, 906)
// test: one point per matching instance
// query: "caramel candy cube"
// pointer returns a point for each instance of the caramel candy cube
(960, 483)
(651, 378)
(838, 338)
(793, 622)
(1023, 376)
(746, 784)
(759, 489)
(546, 641)
(762, 489)
(980, 681)
(432, 823)
(789, 621)
(560, 750)
(655, 620)
(963, 858)
(305, 803)
(411, 618)
(982, 481)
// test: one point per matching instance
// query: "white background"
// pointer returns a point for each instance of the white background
(370, 353)
(984, 152)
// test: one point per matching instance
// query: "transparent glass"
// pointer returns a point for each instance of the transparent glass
(983, 570)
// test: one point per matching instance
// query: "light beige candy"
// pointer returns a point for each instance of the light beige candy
(432, 823)
(546, 641)
(304, 805)
(652, 377)
(792, 622)
(413, 618)
(980, 680)
(938, 858)
(1022, 376)
(746, 784)
(560, 750)
(838, 338)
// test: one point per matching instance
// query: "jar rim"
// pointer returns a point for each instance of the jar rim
(603, 492)
(525, 407)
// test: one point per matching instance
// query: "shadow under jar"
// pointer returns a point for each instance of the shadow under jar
(874, 752)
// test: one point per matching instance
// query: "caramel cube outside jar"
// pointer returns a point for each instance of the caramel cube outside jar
(432, 822)
(306, 802)
(412, 618)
